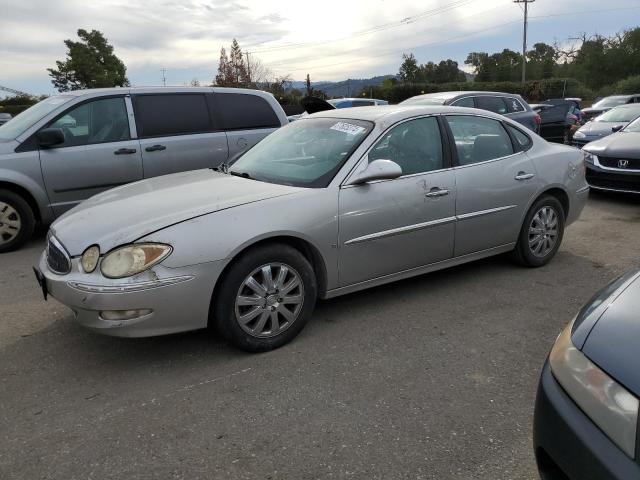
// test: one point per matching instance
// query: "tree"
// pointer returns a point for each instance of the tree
(232, 69)
(409, 70)
(308, 86)
(223, 69)
(194, 82)
(90, 63)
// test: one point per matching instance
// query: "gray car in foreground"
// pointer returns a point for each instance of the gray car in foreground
(333, 203)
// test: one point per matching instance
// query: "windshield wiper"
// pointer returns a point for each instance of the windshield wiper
(239, 174)
(222, 168)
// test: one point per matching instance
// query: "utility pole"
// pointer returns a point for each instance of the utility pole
(164, 77)
(248, 68)
(524, 37)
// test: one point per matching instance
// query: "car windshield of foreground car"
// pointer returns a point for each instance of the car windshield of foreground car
(611, 102)
(633, 126)
(622, 114)
(306, 153)
(31, 115)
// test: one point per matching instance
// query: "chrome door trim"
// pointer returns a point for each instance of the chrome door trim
(480, 213)
(400, 230)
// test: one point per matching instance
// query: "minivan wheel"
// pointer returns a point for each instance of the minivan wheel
(266, 298)
(541, 233)
(16, 221)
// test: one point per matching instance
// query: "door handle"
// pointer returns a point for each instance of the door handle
(436, 192)
(524, 176)
(155, 148)
(125, 151)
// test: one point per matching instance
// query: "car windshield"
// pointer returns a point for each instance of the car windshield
(633, 126)
(306, 153)
(609, 102)
(31, 115)
(622, 114)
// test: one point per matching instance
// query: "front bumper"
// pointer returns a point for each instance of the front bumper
(613, 180)
(568, 445)
(179, 298)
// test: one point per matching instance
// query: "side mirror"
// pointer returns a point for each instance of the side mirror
(50, 137)
(617, 128)
(378, 170)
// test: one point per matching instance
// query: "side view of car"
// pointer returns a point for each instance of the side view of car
(557, 120)
(586, 413)
(71, 146)
(336, 202)
(510, 105)
(609, 122)
(607, 103)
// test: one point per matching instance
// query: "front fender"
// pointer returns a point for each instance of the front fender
(26, 183)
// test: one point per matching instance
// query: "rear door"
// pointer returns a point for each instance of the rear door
(495, 180)
(246, 119)
(177, 133)
(98, 153)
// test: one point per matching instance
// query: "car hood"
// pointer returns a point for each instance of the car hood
(613, 328)
(7, 146)
(127, 213)
(599, 129)
(619, 145)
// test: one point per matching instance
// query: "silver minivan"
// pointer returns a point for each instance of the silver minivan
(72, 146)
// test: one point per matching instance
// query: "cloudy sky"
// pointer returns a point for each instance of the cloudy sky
(329, 39)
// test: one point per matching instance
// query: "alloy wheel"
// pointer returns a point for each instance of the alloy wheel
(543, 231)
(10, 223)
(269, 300)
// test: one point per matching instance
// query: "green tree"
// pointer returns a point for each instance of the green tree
(90, 63)
(223, 69)
(409, 69)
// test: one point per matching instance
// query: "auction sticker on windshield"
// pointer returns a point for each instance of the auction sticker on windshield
(348, 128)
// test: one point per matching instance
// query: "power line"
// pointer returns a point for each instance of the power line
(524, 36)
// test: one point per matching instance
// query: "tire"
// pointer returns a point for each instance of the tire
(258, 304)
(17, 221)
(533, 249)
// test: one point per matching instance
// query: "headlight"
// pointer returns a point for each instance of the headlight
(589, 157)
(579, 134)
(90, 258)
(609, 405)
(132, 259)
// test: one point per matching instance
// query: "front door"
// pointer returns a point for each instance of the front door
(495, 182)
(390, 226)
(98, 153)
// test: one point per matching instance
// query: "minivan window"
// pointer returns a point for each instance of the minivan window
(31, 115)
(464, 102)
(241, 111)
(163, 115)
(415, 145)
(514, 105)
(479, 139)
(99, 121)
(492, 104)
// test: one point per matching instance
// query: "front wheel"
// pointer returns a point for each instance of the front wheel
(541, 233)
(266, 298)
(16, 221)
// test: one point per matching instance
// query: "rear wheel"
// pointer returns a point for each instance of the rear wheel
(266, 298)
(541, 233)
(16, 221)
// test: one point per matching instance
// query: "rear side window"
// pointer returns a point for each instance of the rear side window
(523, 140)
(464, 102)
(239, 111)
(514, 105)
(165, 115)
(479, 139)
(493, 104)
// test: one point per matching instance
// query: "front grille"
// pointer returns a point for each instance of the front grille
(57, 258)
(610, 162)
(613, 181)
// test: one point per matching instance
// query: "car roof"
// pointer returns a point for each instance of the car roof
(163, 89)
(394, 113)
(449, 95)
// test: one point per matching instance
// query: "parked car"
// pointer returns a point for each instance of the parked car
(557, 120)
(507, 104)
(609, 122)
(577, 103)
(71, 146)
(333, 203)
(586, 414)
(356, 102)
(607, 103)
(4, 117)
(613, 163)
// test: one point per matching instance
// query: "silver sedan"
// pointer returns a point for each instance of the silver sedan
(336, 202)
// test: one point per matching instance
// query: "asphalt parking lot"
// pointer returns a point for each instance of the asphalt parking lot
(432, 377)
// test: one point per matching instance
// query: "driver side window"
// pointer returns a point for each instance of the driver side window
(415, 145)
(99, 121)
